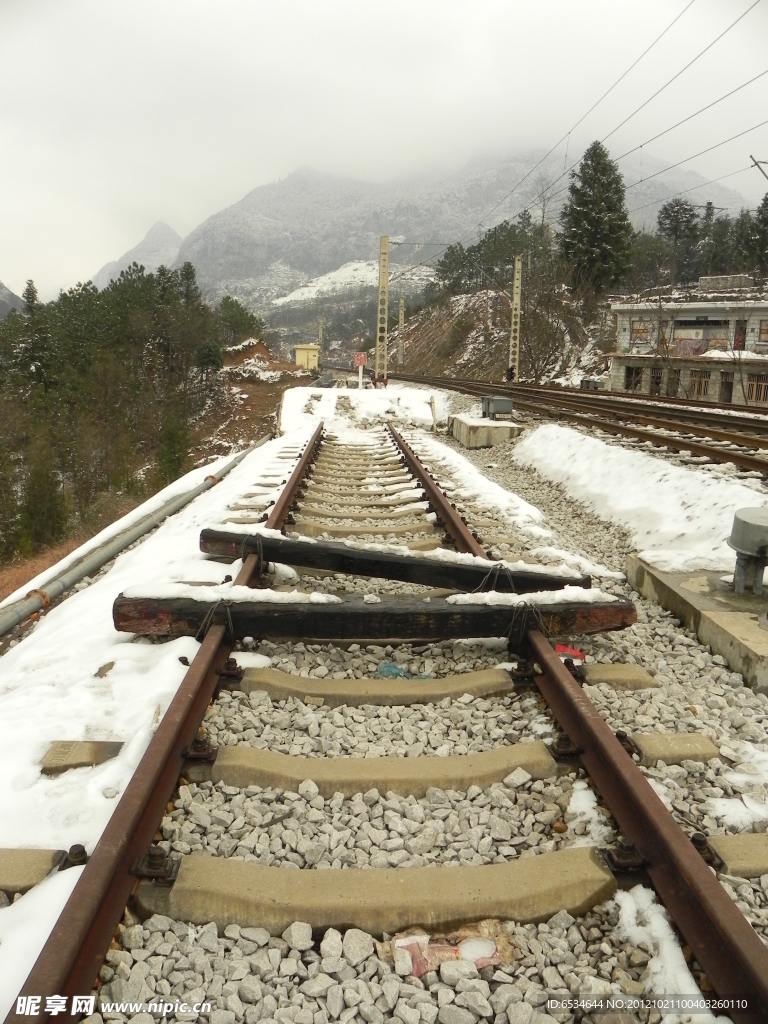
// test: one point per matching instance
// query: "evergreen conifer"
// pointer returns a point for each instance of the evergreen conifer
(596, 230)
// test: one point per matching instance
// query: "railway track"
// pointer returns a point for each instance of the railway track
(712, 434)
(327, 518)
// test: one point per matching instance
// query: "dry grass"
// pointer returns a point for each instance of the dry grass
(106, 510)
(21, 570)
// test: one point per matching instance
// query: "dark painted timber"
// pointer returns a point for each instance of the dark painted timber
(431, 572)
(350, 618)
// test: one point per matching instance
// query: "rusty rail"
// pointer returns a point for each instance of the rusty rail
(279, 514)
(446, 512)
(724, 943)
(74, 951)
(548, 402)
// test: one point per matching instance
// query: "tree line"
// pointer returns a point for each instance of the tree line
(567, 272)
(99, 394)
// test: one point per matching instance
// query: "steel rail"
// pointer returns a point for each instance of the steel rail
(279, 514)
(455, 526)
(615, 404)
(734, 428)
(751, 463)
(659, 400)
(726, 946)
(74, 951)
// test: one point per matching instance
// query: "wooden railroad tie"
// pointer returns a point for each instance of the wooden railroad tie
(352, 618)
(360, 561)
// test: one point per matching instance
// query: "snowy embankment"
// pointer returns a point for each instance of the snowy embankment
(680, 519)
(75, 678)
(341, 408)
(357, 274)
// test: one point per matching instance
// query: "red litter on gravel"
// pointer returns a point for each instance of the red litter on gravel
(564, 652)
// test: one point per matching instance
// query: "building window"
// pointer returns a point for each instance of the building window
(699, 387)
(633, 378)
(757, 387)
(764, 331)
(639, 330)
(656, 373)
(726, 387)
(673, 384)
(740, 336)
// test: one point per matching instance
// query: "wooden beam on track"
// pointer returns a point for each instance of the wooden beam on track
(357, 561)
(352, 618)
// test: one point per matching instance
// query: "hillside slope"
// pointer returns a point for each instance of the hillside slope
(468, 336)
(159, 247)
(8, 301)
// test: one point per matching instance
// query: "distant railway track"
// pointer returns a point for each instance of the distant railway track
(368, 490)
(685, 429)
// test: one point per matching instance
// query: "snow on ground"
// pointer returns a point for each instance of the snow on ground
(50, 690)
(338, 407)
(680, 519)
(357, 274)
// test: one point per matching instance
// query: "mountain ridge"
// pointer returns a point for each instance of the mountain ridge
(160, 246)
(285, 233)
(8, 301)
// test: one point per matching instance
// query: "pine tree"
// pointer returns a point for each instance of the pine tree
(761, 236)
(596, 230)
(678, 224)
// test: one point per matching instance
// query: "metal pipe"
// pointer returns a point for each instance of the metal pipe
(41, 597)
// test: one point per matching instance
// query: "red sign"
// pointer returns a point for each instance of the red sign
(361, 359)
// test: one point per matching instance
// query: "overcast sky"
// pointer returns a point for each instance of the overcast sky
(118, 113)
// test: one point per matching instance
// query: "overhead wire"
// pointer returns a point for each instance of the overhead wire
(693, 188)
(677, 75)
(554, 195)
(695, 114)
(681, 71)
(566, 136)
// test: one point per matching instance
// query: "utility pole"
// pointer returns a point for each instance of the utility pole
(401, 328)
(513, 369)
(380, 368)
(757, 164)
(320, 333)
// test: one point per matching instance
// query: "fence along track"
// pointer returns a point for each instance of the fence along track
(725, 945)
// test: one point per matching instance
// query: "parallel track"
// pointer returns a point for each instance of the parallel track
(613, 415)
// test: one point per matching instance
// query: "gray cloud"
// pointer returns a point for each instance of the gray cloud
(119, 114)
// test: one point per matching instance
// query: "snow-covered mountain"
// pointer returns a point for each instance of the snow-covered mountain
(352, 277)
(285, 236)
(159, 247)
(8, 301)
(282, 235)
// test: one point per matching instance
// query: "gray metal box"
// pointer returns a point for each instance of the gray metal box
(494, 406)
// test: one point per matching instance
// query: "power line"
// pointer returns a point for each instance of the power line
(684, 191)
(680, 72)
(593, 107)
(709, 149)
(700, 153)
(701, 53)
(567, 134)
(691, 116)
